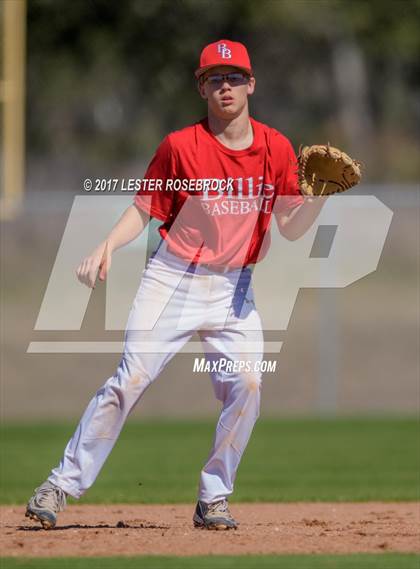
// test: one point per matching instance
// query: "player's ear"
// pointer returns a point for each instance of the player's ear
(251, 85)
(201, 89)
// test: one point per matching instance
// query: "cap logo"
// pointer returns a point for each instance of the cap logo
(224, 51)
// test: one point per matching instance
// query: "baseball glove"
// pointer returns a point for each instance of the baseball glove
(324, 170)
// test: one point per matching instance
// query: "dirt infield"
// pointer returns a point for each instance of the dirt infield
(264, 529)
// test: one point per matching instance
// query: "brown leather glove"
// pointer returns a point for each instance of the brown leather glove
(325, 170)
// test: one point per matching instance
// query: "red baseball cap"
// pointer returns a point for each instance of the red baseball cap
(224, 52)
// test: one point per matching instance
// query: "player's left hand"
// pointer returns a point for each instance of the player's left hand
(324, 170)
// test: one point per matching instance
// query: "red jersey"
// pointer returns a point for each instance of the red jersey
(216, 203)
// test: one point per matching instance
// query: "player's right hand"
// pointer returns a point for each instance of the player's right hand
(98, 261)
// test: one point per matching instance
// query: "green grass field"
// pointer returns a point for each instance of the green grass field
(286, 460)
(383, 561)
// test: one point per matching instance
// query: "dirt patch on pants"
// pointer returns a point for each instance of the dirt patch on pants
(89, 530)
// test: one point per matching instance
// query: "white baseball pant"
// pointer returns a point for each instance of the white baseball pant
(173, 301)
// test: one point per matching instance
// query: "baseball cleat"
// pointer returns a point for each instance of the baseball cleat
(44, 505)
(215, 516)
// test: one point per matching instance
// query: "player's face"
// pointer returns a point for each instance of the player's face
(226, 89)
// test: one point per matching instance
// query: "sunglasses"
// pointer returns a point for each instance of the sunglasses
(234, 78)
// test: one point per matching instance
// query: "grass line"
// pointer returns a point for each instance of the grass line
(356, 561)
(286, 461)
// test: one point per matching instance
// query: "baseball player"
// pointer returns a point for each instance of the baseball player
(216, 185)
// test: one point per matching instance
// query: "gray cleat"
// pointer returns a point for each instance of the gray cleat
(214, 516)
(44, 505)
